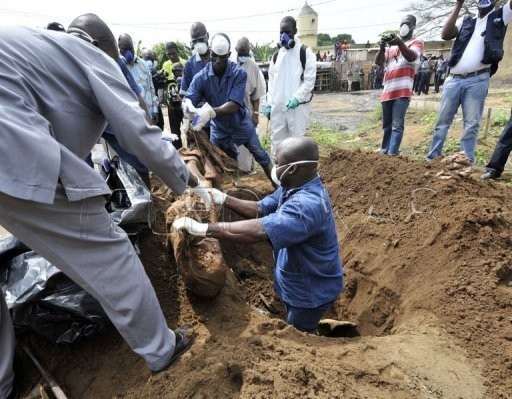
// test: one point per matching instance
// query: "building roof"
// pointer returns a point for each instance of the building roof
(307, 10)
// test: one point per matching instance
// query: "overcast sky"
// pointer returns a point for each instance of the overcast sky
(169, 20)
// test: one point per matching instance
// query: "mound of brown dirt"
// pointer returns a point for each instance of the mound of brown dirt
(428, 283)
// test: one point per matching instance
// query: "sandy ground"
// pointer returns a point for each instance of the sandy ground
(428, 284)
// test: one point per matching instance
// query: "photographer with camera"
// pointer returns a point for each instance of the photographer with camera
(400, 55)
(174, 110)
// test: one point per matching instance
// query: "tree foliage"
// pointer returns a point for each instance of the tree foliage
(159, 50)
(324, 39)
(262, 53)
(431, 15)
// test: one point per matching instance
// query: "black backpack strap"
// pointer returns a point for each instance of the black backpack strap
(302, 59)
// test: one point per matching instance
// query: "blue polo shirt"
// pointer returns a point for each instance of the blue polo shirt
(193, 65)
(237, 127)
(300, 225)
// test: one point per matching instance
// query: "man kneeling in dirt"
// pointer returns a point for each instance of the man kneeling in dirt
(298, 221)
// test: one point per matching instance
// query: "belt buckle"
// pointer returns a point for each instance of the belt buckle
(464, 75)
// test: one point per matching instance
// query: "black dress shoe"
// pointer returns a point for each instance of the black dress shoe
(184, 340)
(490, 175)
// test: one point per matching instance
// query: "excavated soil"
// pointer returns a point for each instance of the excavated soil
(428, 284)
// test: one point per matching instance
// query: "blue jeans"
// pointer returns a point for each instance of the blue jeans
(470, 93)
(393, 117)
(226, 144)
(304, 319)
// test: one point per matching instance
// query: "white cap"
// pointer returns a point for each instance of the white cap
(220, 44)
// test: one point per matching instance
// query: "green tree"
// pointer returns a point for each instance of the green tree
(430, 15)
(159, 50)
(262, 53)
(342, 37)
(324, 39)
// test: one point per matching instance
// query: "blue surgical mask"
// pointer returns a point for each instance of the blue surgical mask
(242, 59)
(273, 173)
(128, 56)
(149, 64)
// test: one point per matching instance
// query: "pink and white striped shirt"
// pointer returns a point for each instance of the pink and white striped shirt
(399, 73)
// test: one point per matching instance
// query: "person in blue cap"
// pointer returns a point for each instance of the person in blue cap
(475, 54)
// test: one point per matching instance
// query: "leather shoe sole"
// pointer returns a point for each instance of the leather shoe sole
(184, 340)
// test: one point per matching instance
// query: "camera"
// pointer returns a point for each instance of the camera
(388, 38)
(173, 96)
(159, 79)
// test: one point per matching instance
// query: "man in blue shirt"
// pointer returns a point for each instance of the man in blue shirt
(221, 83)
(298, 221)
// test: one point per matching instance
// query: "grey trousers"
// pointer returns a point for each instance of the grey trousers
(85, 244)
(6, 349)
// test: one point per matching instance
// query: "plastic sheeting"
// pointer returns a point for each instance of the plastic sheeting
(44, 300)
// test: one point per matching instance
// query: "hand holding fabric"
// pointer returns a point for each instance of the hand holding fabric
(292, 103)
(202, 117)
(188, 108)
(209, 194)
(191, 226)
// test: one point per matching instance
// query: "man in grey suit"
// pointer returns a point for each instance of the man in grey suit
(57, 93)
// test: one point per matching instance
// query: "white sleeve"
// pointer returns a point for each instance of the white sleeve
(305, 89)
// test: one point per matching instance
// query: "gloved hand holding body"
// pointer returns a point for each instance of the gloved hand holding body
(188, 108)
(191, 226)
(292, 103)
(267, 108)
(203, 116)
(208, 195)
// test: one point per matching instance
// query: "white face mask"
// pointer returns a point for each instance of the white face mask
(201, 48)
(404, 30)
(273, 173)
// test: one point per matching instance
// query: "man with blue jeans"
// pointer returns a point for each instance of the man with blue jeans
(468, 82)
(402, 59)
(298, 221)
(221, 83)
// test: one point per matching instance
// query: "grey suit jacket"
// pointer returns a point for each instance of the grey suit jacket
(57, 93)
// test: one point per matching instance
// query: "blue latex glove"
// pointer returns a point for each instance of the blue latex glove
(292, 103)
(266, 110)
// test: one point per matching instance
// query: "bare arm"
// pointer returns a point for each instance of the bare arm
(408, 54)
(256, 107)
(227, 108)
(381, 54)
(245, 208)
(450, 29)
(242, 232)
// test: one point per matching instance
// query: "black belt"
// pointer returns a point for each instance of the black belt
(470, 74)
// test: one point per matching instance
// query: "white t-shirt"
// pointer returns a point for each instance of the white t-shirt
(472, 56)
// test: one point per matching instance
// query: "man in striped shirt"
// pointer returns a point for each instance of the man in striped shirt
(400, 55)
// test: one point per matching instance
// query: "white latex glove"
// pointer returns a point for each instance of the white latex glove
(203, 115)
(169, 137)
(208, 194)
(191, 226)
(188, 109)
